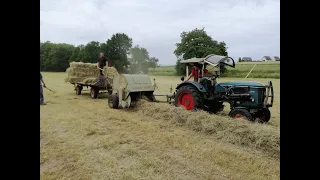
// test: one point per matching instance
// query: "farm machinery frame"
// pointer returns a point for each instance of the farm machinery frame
(247, 99)
(101, 85)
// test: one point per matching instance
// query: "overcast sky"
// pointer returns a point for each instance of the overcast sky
(250, 28)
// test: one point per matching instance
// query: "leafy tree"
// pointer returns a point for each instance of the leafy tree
(197, 43)
(92, 50)
(180, 68)
(83, 56)
(74, 55)
(153, 62)
(117, 48)
(239, 59)
(139, 59)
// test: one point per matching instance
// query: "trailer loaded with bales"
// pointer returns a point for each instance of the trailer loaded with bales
(87, 75)
(248, 100)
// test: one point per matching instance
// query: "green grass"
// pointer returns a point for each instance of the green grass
(261, 70)
(82, 138)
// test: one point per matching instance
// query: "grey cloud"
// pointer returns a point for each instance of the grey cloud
(249, 27)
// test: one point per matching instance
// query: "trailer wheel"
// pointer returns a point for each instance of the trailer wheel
(78, 90)
(241, 113)
(263, 115)
(113, 101)
(94, 93)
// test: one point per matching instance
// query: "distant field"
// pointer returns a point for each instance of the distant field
(262, 70)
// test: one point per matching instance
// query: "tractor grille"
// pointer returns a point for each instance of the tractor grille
(240, 90)
(261, 95)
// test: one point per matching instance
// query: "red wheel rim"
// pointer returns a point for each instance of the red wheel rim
(186, 100)
(238, 116)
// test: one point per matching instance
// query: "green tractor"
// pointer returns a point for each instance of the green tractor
(248, 100)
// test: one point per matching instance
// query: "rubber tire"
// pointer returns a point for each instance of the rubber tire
(265, 117)
(198, 103)
(94, 93)
(245, 113)
(78, 90)
(113, 101)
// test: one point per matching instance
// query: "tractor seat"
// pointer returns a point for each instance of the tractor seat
(207, 84)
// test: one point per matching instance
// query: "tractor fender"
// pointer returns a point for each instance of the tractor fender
(196, 85)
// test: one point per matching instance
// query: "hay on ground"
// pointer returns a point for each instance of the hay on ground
(257, 136)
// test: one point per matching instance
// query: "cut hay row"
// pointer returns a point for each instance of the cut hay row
(253, 135)
(80, 72)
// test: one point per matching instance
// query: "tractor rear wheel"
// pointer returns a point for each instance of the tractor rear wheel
(113, 101)
(263, 115)
(94, 93)
(241, 113)
(188, 97)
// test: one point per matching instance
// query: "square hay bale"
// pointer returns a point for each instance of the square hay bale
(80, 72)
(110, 72)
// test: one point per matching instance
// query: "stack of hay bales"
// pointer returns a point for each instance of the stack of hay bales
(87, 73)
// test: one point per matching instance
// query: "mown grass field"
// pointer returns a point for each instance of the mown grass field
(261, 70)
(82, 138)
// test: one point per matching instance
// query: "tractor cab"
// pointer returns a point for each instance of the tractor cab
(207, 80)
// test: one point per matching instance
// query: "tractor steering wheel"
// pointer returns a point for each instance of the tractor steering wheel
(210, 77)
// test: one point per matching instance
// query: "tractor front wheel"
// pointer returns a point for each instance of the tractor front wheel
(113, 101)
(241, 113)
(188, 97)
(263, 115)
(94, 93)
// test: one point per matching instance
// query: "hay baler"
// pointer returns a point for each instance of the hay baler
(249, 100)
(128, 89)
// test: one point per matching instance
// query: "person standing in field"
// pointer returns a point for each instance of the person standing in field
(41, 90)
(102, 62)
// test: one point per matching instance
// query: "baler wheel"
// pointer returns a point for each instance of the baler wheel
(113, 101)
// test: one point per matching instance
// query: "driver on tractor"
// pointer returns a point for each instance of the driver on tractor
(197, 72)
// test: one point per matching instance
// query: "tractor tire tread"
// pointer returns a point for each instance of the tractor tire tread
(267, 114)
(195, 94)
(243, 112)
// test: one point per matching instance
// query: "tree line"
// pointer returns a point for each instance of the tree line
(126, 58)
(55, 57)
